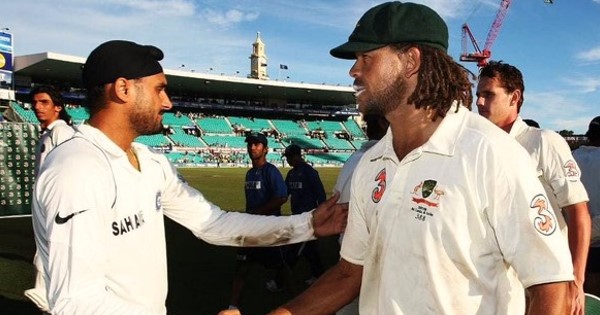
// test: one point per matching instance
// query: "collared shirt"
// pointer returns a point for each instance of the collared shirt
(556, 167)
(262, 184)
(588, 159)
(305, 188)
(438, 231)
(56, 133)
(344, 179)
(99, 225)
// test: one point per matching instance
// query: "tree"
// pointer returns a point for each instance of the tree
(566, 133)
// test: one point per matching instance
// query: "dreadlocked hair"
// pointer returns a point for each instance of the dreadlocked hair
(441, 81)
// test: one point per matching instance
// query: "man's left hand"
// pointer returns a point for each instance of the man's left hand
(330, 218)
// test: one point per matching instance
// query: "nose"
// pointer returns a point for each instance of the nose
(354, 70)
(167, 104)
(479, 101)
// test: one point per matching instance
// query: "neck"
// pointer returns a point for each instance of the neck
(117, 130)
(411, 128)
(259, 162)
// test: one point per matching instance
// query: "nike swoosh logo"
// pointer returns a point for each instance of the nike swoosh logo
(62, 220)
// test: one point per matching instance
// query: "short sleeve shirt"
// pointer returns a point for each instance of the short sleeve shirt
(557, 169)
(263, 184)
(437, 231)
(305, 188)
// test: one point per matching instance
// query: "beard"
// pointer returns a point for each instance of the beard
(144, 118)
(386, 100)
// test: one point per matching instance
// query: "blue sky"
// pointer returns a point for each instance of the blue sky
(556, 46)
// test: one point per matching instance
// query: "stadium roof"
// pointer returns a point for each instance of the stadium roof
(53, 67)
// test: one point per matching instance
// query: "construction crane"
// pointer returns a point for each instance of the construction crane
(482, 56)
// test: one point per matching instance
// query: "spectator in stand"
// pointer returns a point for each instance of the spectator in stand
(306, 192)
(55, 124)
(265, 192)
(588, 159)
(500, 95)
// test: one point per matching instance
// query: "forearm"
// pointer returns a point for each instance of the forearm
(549, 299)
(579, 227)
(336, 288)
(272, 206)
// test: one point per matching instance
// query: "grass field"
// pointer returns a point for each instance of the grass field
(200, 274)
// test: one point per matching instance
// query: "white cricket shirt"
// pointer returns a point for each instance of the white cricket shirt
(99, 226)
(437, 232)
(588, 159)
(556, 167)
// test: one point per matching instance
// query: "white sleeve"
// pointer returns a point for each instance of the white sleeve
(188, 207)
(525, 225)
(561, 170)
(68, 218)
(356, 236)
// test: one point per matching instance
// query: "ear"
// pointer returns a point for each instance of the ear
(121, 88)
(516, 96)
(412, 61)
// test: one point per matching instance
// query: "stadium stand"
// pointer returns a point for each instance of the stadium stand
(289, 128)
(250, 124)
(24, 112)
(214, 125)
(78, 114)
(354, 129)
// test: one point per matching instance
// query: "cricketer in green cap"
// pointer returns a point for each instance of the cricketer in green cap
(395, 22)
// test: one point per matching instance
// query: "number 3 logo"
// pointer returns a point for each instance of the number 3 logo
(380, 189)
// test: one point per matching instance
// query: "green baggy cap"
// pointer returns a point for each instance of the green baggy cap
(395, 22)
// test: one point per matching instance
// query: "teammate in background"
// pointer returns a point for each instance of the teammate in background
(500, 95)
(531, 123)
(306, 192)
(588, 159)
(54, 120)
(265, 194)
(376, 127)
(55, 125)
(438, 214)
(100, 199)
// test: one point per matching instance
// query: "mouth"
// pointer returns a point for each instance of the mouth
(359, 89)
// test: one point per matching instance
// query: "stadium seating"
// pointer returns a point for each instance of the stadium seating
(26, 114)
(354, 129)
(289, 128)
(254, 124)
(185, 140)
(214, 125)
(78, 114)
(225, 142)
(305, 142)
(338, 144)
(153, 140)
(176, 119)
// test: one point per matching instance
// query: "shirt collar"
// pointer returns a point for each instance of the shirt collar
(101, 140)
(443, 139)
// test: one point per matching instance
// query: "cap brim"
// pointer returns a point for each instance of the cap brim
(348, 50)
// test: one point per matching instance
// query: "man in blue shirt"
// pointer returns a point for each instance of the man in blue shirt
(306, 192)
(265, 192)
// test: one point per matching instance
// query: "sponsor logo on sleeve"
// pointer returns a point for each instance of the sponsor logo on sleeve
(571, 171)
(544, 221)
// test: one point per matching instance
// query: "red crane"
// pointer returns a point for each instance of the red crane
(482, 56)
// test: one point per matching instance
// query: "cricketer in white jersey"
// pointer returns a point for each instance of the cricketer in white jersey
(102, 244)
(437, 231)
(557, 169)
